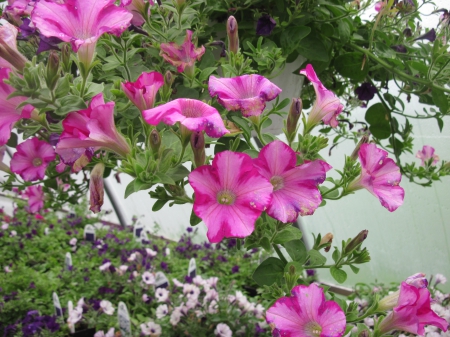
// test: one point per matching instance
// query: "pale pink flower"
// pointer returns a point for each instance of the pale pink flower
(295, 189)
(143, 92)
(212, 281)
(107, 307)
(13, 233)
(162, 311)
(80, 22)
(73, 241)
(150, 252)
(10, 57)
(184, 56)
(9, 113)
(32, 158)
(177, 283)
(151, 329)
(122, 269)
(132, 257)
(380, 176)
(191, 291)
(247, 93)
(198, 280)
(193, 114)
(75, 315)
(7, 270)
(35, 196)
(105, 266)
(230, 195)
(91, 128)
(148, 278)
(326, 106)
(16, 9)
(426, 155)
(5, 226)
(306, 314)
(412, 312)
(162, 294)
(175, 316)
(100, 333)
(259, 311)
(379, 5)
(223, 330)
(137, 8)
(440, 279)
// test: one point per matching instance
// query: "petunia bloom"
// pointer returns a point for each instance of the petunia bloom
(223, 330)
(380, 176)
(32, 158)
(107, 307)
(35, 196)
(183, 57)
(143, 92)
(366, 91)
(265, 25)
(10, 57)
(137, 8)
(230, 195)
(306, 314)
(91, 128)
(294, 187)
(426, 155)
(193, 114)
(9, 113)
(247, 93)
(151, 329)
(412, 312)
(80, 22)
(326, 106)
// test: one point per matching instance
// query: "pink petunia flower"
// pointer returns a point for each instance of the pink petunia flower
(223, 330)
(247, 93)
(183, 57)
(294, 187)
(80, 22)
(380, 176)
(326, 106)
(230, 195)
(143, 92)
(9, 113)
(35, 196)
(412, 312)
(10, 57)
(137, 8)
(306, 314)
(15, 9)
(32, 158)
(193, 114)
(426, 154)
(379, 5)
(91, 128)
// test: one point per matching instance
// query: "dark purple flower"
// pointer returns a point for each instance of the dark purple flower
(399, 48)
(86, 279)
(265, 25)
(222, 258)
(53, 139)
(430, 36)
(32, 286)
(231, 243)
(163, 265)
(235, 269)
(310, 272)
(105, 290)
(366, 91)
(188, 279)
(189, 229)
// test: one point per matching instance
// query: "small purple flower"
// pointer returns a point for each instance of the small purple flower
(189, 229)
(188, 279)
(430, 36)
(366, 91)
(222, 258)
(163, 265)
(310, 272)
(265, 25)
(235, 269)
(399, 48)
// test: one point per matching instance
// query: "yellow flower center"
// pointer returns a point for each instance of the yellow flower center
(226, 197)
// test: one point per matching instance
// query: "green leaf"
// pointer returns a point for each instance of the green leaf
(252, 153)
(194, 220)
(68, 104)
(269, 272)
(338, 274)
(354, 269)
(296, 250)
(316, 258)
(344, 30)
(130, 189)
(336, 254)
(292, 37)
(164, 178)
(12, 141)
(313, 47)
(380, 131)
(265, 243)
(178, 173)
(377, 117)
(288, 234)
(350, 65)
(158, 205)
(440, 124)
(184, 92)
(440, 99)
(243, 124)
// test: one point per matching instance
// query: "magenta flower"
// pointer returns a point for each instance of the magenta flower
(326, 106)
(137, 8)
(412, 313)
(183, 56)
(16, 9)
(91, 128)
(9, 113)
(143, 92)
(294, 187)
(380, 176)
(35, 198)
(80, 22)
(306, 314)
(230, 195)
(32, 158)
(248, 93)
(379, 5)
(192, 114)
(426, 155)
(10, 57)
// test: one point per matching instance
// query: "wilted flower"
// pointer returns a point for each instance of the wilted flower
(265, 25)
(426, 155)
(10, 57)
(137, 8)
(440, 279)
(96, 188)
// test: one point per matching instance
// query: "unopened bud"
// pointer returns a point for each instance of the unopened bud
(233, 36)
(198, 148)
(292, 270)
(363, 140)
(294, 115)
(52, 70)
(357, 240)
(407, 32)
(65, 58)
(155, 142)
(167, 87)
(96, 188)
(327, 238)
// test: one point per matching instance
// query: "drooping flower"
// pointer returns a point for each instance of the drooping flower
(426, 155)
(183, 57)
(326, 106)
(265, 25)
(294, 187)
(91, 128)
(380, 176)
(230, 195)
(80, 22)
(306, 314)
(35, 196)
(223, 330)
(430, 36)
(96, 188)
(412, 312)
(193, 114)
(143, 92)
(9, 113)
(137, 8)
(247, 93)
(366, 91)
(107, 307)
(32, 158)
(10, 57)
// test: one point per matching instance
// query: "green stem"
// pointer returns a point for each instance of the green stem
(125, 65)
(279, 253)
(183, 149)
(83, 84)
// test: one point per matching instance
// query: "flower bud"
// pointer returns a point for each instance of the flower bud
(363, 140)
(167, 86)
(294, 114)
(407, 32)
(357, 240)
(65, 58)
(198, 148)
(233, 37)
(52, 70)
(155, 142)
(327, 238)
(96, 188)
